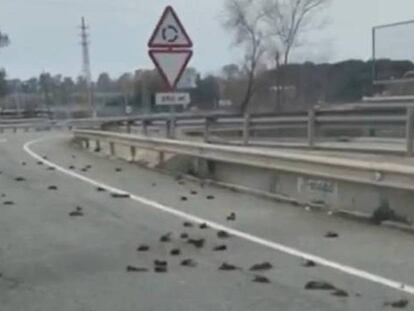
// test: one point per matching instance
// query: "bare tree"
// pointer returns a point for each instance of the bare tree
(245, 19)
(4, 40)
(287, 20)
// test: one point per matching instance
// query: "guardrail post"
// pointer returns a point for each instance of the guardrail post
(97, 146)
(14, 129)
(206, 132)
(145, 127)
(87, 143)
(246, 129)
(128, 127)
(409, 130)
(161, 158)
(133, 151)
(167, 128)
(112, 149)
(26, 129)
(172, 123)
(311, 127)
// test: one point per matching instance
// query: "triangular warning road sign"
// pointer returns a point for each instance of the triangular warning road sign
(171, 64)
(169, 32)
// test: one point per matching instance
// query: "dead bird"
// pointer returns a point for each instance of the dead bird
(184, 235)
(120, 195)
(51, 168)
(331, 235)
(187, 224)
(193, 192)
(261, 266)
(228, 267)
(166, 237)
(319, 285)
(340, 293)
(8, 203)
(231, 217)
(143, 248)
(261, 279)
(220, 248)
(100, 189)
(210, 197)
(399, 304)
(175, 252)
(198, 243)
(53, 187)
(71, 167)
(223, 234)
(178, 177)
(188, 263)
(39, 163)
(24, 163)
(76, 214)
(20, 178)
(160, 263)
(203, 226)
(160, 269)
(309, 263)
(135, 269)
(183, 198)
(118, 170)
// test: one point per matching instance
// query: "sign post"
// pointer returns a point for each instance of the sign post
(170, 48)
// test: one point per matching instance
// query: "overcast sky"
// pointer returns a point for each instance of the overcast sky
(44, 33)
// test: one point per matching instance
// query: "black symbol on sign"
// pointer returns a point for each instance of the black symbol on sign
(170, 34)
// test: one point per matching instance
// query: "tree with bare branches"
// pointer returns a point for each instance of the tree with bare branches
(287, 20)
(4, 40)
(245, 19)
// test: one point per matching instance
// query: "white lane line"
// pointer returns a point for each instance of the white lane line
(409, 289)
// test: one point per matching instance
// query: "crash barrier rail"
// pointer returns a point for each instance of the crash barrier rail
(365, 116)
(379, 174)
(394, 114)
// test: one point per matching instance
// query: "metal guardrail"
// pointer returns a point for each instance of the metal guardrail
(364, 116)
(26, 127)
(354, 116)
(345, 169)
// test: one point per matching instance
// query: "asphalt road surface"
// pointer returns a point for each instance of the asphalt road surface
(50, 260)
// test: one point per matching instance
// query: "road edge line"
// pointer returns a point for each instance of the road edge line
(400, 286)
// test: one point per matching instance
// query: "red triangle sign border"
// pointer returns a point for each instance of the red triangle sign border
(161, 70)
(151, 44)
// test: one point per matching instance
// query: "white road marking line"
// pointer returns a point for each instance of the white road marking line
(409, 289)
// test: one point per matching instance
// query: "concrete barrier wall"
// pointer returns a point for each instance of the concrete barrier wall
(336, 195)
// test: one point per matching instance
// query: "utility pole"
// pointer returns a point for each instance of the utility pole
(86, 68)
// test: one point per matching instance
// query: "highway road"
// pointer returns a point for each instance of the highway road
(66, 240)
